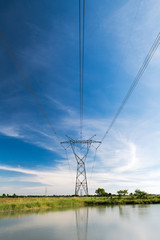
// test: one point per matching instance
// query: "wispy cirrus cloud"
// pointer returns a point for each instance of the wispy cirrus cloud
(9, 131)
(63, 107)
(135, 27)
(129, 155)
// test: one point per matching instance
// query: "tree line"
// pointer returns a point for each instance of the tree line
(101, 193)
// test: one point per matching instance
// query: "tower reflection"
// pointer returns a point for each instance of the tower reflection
(82, 223)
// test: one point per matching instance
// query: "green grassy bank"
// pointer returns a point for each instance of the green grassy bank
(123, 200)
(26, 203)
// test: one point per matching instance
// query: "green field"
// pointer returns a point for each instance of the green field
(26, 203)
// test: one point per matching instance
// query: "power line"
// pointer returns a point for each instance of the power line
(80, 73)
(83, 55)
(134, 83)
(81, 59)
(18, 66)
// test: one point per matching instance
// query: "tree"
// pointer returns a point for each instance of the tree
(122, 192)
(100, 192)
(131, 195)
(140, 194)
(3, 195)
(125, 192)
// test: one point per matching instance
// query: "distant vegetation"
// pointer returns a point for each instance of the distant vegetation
(122, 192)
(140, 194)
(14, 202)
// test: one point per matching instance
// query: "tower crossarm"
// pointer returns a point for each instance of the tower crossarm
(81, 141)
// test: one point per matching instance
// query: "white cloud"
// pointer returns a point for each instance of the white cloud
(9, 131)
(135, 26)
(58, 104)
(129, 155)
(126, 159)
(58, 180)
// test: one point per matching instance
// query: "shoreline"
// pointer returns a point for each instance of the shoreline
(9, 204)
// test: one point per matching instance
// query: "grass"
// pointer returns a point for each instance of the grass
(28, 203)
(116, 200)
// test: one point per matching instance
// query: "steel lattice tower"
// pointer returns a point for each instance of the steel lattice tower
(80, 150)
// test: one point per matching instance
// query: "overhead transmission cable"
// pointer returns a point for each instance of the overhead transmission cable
(134, 83)
(80, 83)
(18, 66)
(83, 55)
(132, 87)
(81, 59)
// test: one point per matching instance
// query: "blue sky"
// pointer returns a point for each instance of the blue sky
(44, 38)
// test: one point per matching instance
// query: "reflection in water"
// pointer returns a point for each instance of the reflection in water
(127, 211)
(18, 214)
(124, 212)
(143, 210)
(140, 222)
(101, 210)
(82, 223)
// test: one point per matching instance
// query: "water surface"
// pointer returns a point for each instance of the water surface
(140, 222)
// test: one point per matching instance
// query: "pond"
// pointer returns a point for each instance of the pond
(140, 222)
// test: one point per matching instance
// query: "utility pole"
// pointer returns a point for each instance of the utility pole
(80, 150)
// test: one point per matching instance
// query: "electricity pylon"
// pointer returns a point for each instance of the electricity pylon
(80, 150)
